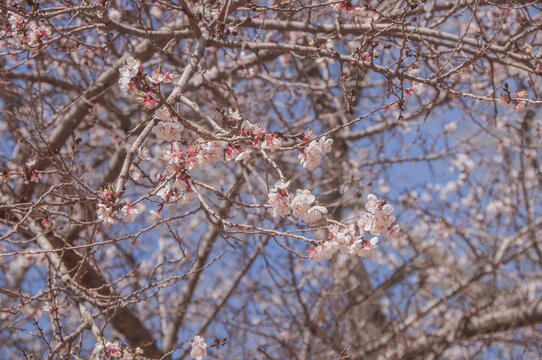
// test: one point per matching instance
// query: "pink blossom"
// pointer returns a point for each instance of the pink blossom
(365, 248)
(234, 116)
(301, 203)
(148, 100)
(314, 214)
(35, 177)
(301, 207)
(210, 152)
(155, 216)
(47, 223)
(37, 33)
(271, 143)
(279, 199)
(160, 77)
(393, 233)
(164, 191)
(127, 72)
(16, 21)
(519, 105)
(143, 154)
(379, 217)
(231, 153)
(244, 154)
(112, 348)
(105, 214)
(342, 238)
(168, 131)
(321, 252)
(135, 173)
(310, 157)
(115, 15)
(129, 213)
(181, 183)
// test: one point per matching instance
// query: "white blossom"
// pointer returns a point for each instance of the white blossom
(168, 131)
(105, 214)
(127, 72)
(301, 207)
(279, 199)
(199, 348)
(271, 143)
(321, 252)
(129, 213)
(311, 156)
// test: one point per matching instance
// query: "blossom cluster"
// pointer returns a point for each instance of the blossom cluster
(128, 72)
(517, 99)
(349, 239)
(131, 69)
(311, 156)
(27, 32)
(196, 156)
(167, 129)
(106, 210)
(258, 134)
(174, 183)
(299, 205)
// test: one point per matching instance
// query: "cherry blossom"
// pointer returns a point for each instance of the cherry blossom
(129, 213)
(164, 191)
(37, 33)
(301, 207)
(113, 349)
(379, 217)
(154, 216)
(463, 162)
(232, 152)
(114, 14)
(311, 156)
(160, 77)
(142, 154)
(127, 72)
(234, 116)
(199, 348)
(16, 21)
(213, 178)
(47, 223)
(518, 104)
(321, 252)
(210, 153)
(168, 131)
(279, 199)
(271, 143)
(105, 214)
(341, 237)
(148, 100)
(365, 248)
(34, 175)
(244, 154)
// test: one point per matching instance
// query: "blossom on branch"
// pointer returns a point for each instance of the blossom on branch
(311, 156)
(279, 199)
(167, 129)
(129, 213)
(301, 207)
(128, 72)
(199, 348)
(105, 214)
